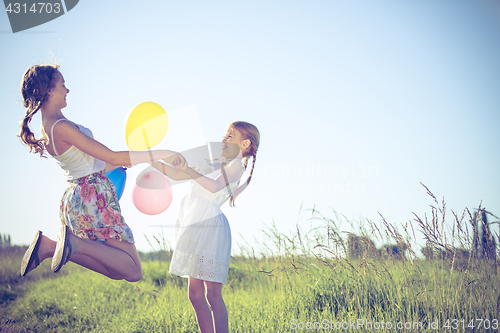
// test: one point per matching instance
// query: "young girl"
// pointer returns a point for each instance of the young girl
(203, 239)
(94, 233)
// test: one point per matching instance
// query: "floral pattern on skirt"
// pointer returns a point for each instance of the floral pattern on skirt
(90, 208)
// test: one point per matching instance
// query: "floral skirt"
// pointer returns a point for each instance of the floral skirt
(90, 208)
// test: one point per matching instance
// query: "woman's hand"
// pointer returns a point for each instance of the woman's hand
(180, 163)
(173, 159)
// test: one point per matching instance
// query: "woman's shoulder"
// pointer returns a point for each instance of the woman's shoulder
(63, 123)
(56, 129)
(48, 127)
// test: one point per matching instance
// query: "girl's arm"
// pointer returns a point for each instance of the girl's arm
(233, 171)
(170, 172)
(66, 132)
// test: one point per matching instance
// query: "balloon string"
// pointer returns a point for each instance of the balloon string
(147, 142)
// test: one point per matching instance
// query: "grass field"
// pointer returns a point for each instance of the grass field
(305, 282)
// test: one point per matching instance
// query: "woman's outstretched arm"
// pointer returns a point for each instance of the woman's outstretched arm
(66, 132)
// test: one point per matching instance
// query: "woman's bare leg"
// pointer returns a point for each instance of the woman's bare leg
(196, 294)
(48, 246)
(219, 311)
(115, 259)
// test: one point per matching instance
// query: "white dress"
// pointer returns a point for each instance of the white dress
(203, 236)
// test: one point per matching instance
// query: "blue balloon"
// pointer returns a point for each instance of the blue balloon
(118, 177)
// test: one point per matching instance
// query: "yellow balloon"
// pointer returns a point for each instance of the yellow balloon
(146, 126)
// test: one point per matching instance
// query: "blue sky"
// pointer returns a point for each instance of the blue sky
(357, 103)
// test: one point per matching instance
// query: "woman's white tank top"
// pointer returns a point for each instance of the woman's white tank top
(74, 162)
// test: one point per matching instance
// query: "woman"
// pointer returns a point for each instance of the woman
(94, 233)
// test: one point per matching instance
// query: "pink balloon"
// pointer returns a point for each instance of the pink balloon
(152, 193)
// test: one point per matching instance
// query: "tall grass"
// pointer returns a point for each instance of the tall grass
(297, 280)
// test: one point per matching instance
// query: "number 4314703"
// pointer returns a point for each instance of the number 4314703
(473, 323)
(36, 8)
